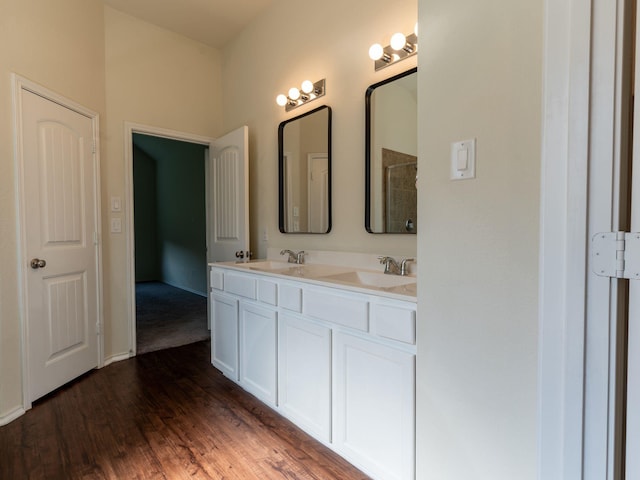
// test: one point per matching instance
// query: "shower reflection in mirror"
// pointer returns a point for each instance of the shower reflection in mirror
(391, 155)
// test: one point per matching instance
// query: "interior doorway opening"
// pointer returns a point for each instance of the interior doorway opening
(142, 229)
(170, 242)
(226, 205)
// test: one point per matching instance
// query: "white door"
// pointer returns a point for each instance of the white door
(318, 201)
(632, 459)
(59, 212)
(633, 366)
(229, 196)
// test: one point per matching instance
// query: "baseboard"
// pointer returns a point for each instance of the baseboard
(11, 416)
(116, 358)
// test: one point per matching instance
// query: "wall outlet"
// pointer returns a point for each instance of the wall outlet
(265, 234)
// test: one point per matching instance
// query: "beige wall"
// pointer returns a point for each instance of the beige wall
(124, 69)
(156, 78)
(477, 335)
(59, 45)
(480, 71)
(279, 50)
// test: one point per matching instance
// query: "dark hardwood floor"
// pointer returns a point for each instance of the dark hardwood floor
(164, 415)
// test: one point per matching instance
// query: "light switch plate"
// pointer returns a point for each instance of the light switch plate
(116, 225)
(463, 160)
(116, 204)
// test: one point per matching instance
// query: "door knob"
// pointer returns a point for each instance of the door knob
(38, 263)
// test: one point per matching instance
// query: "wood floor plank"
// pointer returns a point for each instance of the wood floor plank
(163, 415)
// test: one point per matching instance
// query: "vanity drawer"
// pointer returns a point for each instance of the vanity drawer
(344, 310)
(395, 322)
(291, 297)
(216, 279)
(240, 285)
(268, 292)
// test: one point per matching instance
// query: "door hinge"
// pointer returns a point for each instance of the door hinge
(98, 332)
(616, 254)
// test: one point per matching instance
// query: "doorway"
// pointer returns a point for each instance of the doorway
(226, 177)
(170, 242)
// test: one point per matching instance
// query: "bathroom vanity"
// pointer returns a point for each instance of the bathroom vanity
(330, 347)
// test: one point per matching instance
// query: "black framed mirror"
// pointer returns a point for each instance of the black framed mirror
(304, 172)
(391, 137)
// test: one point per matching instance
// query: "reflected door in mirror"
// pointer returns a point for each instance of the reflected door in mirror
(305, 173)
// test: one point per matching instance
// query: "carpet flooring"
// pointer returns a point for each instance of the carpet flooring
(168, 317)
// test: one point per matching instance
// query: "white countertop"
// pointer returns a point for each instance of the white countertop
(372, 282)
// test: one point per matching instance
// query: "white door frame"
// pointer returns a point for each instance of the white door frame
(18, 85)
(311, 158)
(580, 158)
(287, 192)
(129, 129)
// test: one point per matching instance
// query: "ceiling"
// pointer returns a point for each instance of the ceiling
(212, 22)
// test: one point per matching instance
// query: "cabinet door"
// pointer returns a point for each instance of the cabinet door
(258, 351)
(304, 374)
(374, 410)
(224, 335)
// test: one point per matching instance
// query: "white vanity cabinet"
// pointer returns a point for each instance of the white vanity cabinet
(258, 355)
(374, 406)
(224, 338)
(304, 374)
(338, 362)
(244, 331)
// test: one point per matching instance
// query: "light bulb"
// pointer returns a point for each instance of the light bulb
(281, 100)
(415, 29)
(398, 41)
(376, 51)
(294, 93)
(307, 86)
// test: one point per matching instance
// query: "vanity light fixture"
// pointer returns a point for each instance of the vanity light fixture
(308, 92)
(400, 47)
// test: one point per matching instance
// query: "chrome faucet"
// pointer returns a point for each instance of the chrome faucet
(391, 265)
(294, 257)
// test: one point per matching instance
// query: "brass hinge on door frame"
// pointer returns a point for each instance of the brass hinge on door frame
(616, 254)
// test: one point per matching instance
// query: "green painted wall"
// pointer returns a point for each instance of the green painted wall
(146, 223)
(178, 224)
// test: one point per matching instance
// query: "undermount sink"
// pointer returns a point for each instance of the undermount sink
(371, 279)
(292, 269)
(312, 270)
(265, 265)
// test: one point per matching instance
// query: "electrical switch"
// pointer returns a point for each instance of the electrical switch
(116, 225)
(463, 160)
